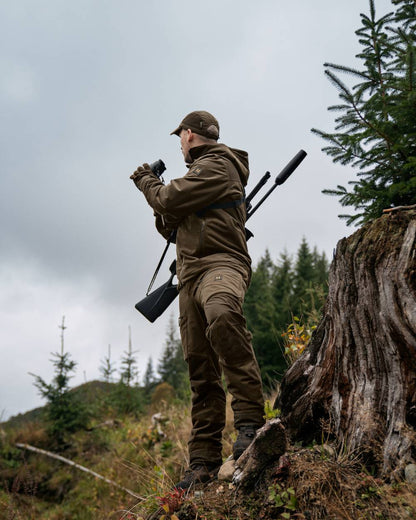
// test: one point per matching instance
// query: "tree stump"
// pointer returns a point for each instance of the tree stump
(358, 376)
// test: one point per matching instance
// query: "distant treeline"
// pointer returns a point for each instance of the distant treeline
(279, 292)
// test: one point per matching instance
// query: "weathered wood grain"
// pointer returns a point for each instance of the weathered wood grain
(359, 373)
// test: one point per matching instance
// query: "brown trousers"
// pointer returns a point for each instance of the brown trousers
(215, 340)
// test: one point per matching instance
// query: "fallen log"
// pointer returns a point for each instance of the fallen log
(69, 462)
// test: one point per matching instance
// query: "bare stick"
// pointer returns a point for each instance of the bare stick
(75, 465)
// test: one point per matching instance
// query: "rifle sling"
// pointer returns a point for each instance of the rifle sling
(170, 240)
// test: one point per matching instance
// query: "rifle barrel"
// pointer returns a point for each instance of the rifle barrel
(290, 167)
(258, 187)
(281, 178)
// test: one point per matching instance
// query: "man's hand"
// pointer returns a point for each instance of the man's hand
(141, 172)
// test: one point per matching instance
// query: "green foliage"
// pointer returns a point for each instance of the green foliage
(107, 368)
(269, 411)
(375, 127)
(10, 456)
(126, 399)
(278, 292)
(126, 396)
(149, 379)
(172, 368)
(259, 310)
(65, 413)
(129, 371)
(166, 449)
(370, 487)
(284, 498)
(296, 337)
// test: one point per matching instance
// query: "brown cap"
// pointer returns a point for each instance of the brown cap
(200, 122)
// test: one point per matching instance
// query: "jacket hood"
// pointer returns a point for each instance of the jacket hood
(238, 157)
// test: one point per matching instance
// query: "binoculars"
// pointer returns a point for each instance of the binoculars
(158, 167)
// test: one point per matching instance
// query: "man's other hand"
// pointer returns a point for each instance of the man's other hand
(141, 172)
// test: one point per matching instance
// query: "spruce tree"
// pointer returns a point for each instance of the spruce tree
(282, 289)
(172, 367)
(129, 371)
(64, 412)
(310, 284)
(149, 378)
(278, 293)
(320, 267)
(107, 368)
(303, 279)
(376, 123)
(259, 310)
(149, 375)
(127, 396)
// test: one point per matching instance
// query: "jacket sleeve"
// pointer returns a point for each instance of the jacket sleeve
(166, 225)
(204, 184)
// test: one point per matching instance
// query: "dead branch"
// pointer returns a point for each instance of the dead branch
(77, 466)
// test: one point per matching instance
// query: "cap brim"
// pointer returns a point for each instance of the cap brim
(177, 131)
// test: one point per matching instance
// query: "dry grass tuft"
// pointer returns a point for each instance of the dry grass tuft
(30, 433)
(333, 487)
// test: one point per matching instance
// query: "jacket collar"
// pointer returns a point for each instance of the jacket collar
(198, 151)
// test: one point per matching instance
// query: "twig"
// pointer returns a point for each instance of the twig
(399, 208)
(75, 465)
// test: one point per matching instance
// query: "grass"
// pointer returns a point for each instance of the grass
(320, 483)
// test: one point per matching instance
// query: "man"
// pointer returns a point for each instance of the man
(206, 207)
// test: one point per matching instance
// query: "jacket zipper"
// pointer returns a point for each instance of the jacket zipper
(201, 235)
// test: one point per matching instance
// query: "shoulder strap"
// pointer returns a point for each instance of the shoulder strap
(221, 205)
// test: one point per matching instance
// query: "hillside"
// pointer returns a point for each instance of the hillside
(312, 482)
(91, 393)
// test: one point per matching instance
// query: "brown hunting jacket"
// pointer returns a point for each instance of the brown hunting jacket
(207, 236)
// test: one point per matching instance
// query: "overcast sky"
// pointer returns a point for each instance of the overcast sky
(89, 90)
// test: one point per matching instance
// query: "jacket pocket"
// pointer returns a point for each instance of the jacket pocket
(221, 280)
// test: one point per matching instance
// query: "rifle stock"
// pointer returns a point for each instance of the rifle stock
(154, 304)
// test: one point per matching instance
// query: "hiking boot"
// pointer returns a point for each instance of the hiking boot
(245, 437)
(199, 474)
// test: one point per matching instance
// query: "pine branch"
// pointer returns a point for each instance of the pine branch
(348, 70)
(340, 85)
(374, 123)
(339, 147)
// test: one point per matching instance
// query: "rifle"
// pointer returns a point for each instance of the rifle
(155, 303)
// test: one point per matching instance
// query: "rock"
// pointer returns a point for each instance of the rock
(157, 420)
(226, 471)
(410, 473)
(267, 447)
